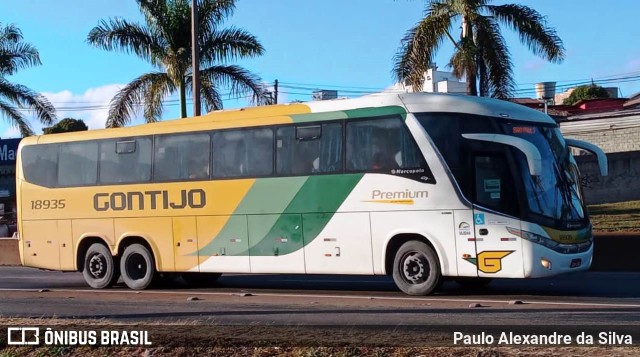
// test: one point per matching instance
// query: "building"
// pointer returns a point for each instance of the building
(560, 97)
(633, 102)
(613, 131)
(8, 153)
(324, 94)
(434, 82)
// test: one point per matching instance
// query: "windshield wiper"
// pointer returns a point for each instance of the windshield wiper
(563, 189)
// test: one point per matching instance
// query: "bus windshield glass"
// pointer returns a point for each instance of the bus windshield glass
(556, 193)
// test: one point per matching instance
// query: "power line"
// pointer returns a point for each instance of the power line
(107, 106)
(341, 91)
(327, 85)
(592, 78)
(351, 91)
(576, 84)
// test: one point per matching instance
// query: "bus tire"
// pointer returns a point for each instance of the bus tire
(99, 270)
(416, 269)
(200, 279)
(137, 267)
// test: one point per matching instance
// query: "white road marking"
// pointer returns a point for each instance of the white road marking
(326, 296)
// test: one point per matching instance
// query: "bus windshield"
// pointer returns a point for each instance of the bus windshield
(556, 193)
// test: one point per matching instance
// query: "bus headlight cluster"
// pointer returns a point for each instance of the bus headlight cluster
(573, 248)
(550, 243)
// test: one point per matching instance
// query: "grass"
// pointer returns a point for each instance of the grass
(616, 217)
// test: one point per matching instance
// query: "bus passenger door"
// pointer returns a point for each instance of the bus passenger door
(498, 252)
(185, 243)
(465, 242)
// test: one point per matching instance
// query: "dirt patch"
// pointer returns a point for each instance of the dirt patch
(322, 351)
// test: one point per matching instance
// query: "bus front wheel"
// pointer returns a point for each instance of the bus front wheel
(416, 270)
(100, 269)
(137, 266)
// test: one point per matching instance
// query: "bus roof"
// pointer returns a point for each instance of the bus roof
(437, 102)
(287, 113)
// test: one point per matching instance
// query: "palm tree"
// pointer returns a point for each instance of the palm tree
(165, 41)
(481, 54)
(14, 55)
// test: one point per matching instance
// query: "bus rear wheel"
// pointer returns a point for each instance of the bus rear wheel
(100, 269)
(416, 270)
(137, 266)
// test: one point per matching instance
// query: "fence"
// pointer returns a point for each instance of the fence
(622, 183)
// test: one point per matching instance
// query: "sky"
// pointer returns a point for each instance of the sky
(344, 45)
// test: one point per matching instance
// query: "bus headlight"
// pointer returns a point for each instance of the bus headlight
(545, 263)
(534, 238)
(550, 243)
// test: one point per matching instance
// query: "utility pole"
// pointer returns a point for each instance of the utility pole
(275, 89)
(195, 58)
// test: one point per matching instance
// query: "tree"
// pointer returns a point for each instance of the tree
(66, 125)
(15, 55)
(165, 42)
(585, 92)
(481, 54)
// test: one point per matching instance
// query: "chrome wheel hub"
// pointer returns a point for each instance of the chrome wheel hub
(97, 266)
(414, 268)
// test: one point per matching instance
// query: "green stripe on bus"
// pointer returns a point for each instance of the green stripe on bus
(376, 112)
(355, 113)
(234, 229)
(319, 194)
(268, 197)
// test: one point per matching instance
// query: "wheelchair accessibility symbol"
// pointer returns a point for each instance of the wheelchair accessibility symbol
(478, 218)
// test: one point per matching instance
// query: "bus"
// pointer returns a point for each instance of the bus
(422, 187)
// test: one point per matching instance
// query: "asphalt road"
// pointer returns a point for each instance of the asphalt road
(592, 298)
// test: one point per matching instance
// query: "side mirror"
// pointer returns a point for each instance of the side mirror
(602, 157)
(534, 159)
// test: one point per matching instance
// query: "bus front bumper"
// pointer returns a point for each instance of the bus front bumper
(543, 262)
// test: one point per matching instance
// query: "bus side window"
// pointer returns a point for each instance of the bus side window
(309, 149)
(40, 163)
(381, 145)
(330, 159)
(226, 146)
(181, 157)
(243, 153)
(260, 152)
(494, 187)
(78, 164)
(125, 161)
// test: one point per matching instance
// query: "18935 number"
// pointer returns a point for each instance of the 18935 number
(48, 204)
